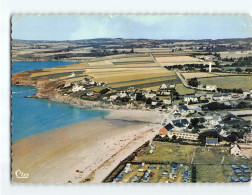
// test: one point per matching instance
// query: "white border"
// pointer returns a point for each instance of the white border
(9, 7)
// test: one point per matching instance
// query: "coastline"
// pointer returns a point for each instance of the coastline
(54, 156)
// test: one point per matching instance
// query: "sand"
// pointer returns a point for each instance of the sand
(55, 155)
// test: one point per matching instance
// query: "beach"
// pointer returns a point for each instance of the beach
(71, 153)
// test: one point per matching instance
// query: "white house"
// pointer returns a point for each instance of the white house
(163, 86)
(167, 101)
(90, 93)
(113, 97)
(190, 98)
(71, 75)
(67, 84)
(183, 135)
(122, 94)
(235, 150)
(78, 88)
(211, 87)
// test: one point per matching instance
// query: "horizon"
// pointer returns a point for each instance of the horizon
(137, 39)
(151, 27)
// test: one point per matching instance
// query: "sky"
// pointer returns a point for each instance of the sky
(75, 27)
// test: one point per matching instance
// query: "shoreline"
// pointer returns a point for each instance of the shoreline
(54, 156)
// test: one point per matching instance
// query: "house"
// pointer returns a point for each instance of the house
(172, 86)
(211, 87)
(122, 94)
(177, 114)
(90, 93)
(71, 75)
(163, 132)
(167, 101)
(163, 86)
(113, 97)
(221, 96)
(183, 135)
(78, 88)
(247, 137)
(190, 99)
(211, 141)
(67, 84)
(180, 123)
(235, 150)
(132, 96)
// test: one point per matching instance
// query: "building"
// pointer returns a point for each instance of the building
(235, 150)
(183, 135)
(190, 99)
(91, 93)
(78, 88)
(167, 101)
(211, 141)
(113, 97)
(211, 87)
(163, 86)
(164, 130)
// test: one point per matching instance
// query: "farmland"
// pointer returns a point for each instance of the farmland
(137, 71)
(177, 60)
(191, 75)
(229, 82)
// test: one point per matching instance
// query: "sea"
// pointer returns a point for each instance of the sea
(31, 116)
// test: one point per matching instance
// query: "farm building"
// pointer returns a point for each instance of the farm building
(211, 141)
(235, 150)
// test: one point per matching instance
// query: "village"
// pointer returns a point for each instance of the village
(207, 120)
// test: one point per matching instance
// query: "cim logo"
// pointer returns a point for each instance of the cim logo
(20, 174)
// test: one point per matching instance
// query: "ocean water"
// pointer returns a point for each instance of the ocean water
(23, 66)
(31, 116)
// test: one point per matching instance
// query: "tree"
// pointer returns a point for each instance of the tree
(238, 69)
(194, 122)
(149, 100)
(231, 138)
(174, 137)
(132, 51)
(140, 97)
(194, 82)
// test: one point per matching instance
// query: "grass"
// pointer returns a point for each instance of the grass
(229, 82)
(182, 90)
(210, 173)
(217, 155)
(166, 152)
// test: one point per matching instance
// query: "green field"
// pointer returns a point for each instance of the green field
(229, 82)
(213, 173)
(217, 156)
(182, 90)
(166, 152)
